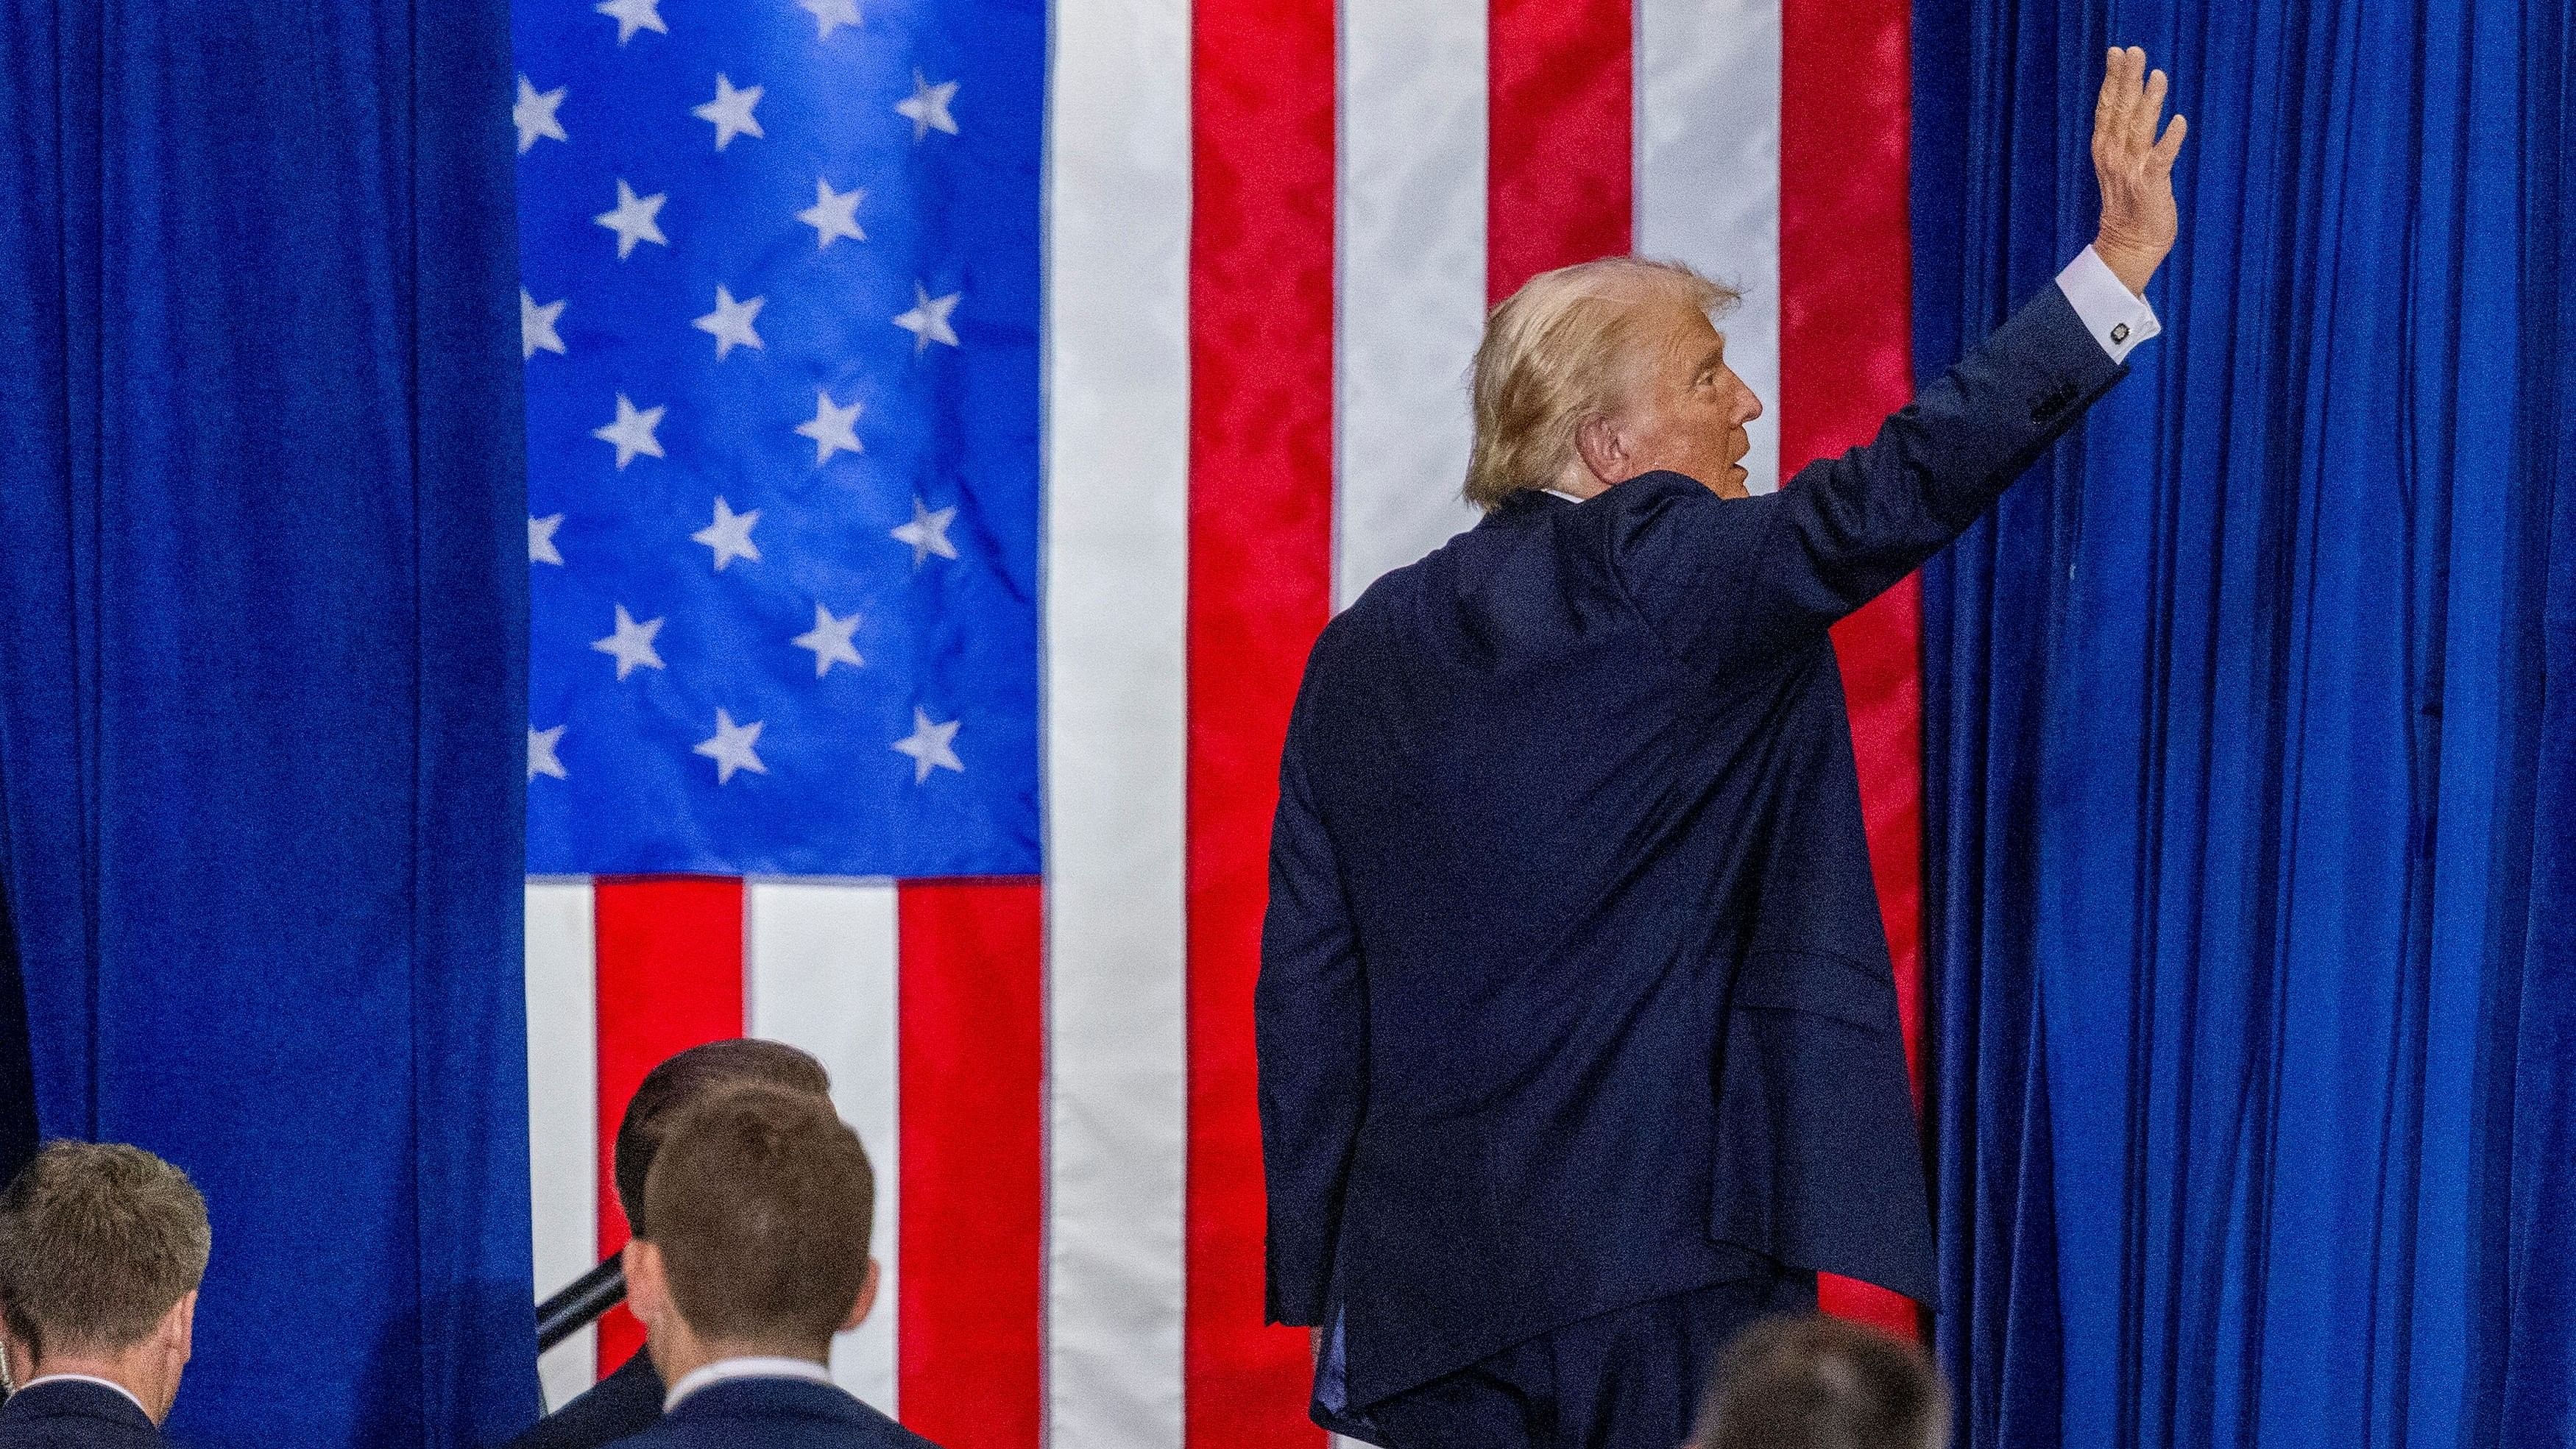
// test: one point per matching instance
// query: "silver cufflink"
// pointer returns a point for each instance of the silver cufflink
(2120, 332)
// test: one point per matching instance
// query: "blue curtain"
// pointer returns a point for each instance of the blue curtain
(262, 624)
(2251, 735)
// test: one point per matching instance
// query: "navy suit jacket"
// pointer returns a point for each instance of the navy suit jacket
(775, 1414)
(626, 1402)
(69, 1414)
(1574, 991)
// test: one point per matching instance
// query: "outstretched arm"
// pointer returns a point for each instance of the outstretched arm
(1846, 528)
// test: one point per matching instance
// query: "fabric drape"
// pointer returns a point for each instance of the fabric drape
(262, 631)
(2248, 753)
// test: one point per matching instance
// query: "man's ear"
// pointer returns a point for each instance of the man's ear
(647, 1294)
(1604, 451)
(866, 1302)
(179, 1325)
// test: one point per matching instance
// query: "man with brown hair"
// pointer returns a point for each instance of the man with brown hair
(630, 1400)
(758, 1211)
(101, 1249)
(1821, 1383)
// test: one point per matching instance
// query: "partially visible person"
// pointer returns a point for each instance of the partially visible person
(758, 1212)
(1821, 1383)
(630, 1399)
(102, 1247)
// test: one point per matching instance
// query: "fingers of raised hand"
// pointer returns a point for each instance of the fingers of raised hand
(2115, 114)
(2171, 146)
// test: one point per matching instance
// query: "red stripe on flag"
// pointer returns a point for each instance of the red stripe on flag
(1260, 588)
(1845, 364)
(972, 1058)
(670, 977)
(1560, 185)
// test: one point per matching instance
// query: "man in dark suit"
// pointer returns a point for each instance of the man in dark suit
(1578, 1038)
(101, 1250)
(758, 1209)
(630, 1400)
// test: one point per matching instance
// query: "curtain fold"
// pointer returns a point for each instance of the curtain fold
(2531, 1356)
(2238, 732)
(262, 631)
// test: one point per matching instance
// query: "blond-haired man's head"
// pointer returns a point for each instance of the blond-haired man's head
(1592, 374)
(102, 1247)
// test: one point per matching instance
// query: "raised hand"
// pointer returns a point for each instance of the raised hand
(2135, 168)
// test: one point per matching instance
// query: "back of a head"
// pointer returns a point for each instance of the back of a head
(682, 1080)
(761, 1203)
(1822, 1383)
(98, 1241)
(1557, 351)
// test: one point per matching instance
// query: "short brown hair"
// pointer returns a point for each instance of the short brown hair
(1821, 1383)
(680, 1081)
(762, 1203)
(97, 1241)
(1551, 357)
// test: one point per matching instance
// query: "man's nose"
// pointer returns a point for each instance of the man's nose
(1752, 405)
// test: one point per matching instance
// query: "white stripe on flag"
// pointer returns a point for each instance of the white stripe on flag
(819, 964)
(563, 1112)
(1410, 303)
(1117, 515)
(1708, 175)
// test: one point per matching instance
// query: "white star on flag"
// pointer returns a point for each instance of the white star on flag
(541, 753)
(632, 16)
(729, 535)
(730, 323)
(927, 533)
(537, 326)
(632, 644)
(830, 641)
(534, 115)
(541, 538)
(833, 215)
(928, 319)
(929, 746)
(927, 107)
(731, 748)
(830, 13)
(833, 429)
(632, 433)
(633, 219)
(730, 111)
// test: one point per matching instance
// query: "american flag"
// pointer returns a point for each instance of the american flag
(949, 426)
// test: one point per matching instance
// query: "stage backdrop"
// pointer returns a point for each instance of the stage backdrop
(2253, 1020)
(950, 425)
(261, 640)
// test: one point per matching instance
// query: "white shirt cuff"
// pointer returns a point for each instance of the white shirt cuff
(2118, 318)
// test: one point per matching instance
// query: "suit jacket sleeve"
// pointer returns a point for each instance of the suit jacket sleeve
(1310, 1017)
(1723, 579)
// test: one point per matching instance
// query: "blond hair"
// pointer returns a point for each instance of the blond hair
(97, 1241)
(1552, 356)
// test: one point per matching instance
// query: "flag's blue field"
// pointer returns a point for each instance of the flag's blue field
(781, 330)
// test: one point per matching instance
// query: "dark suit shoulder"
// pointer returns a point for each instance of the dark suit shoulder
(626, 1402)
(782, 1413)
(74, 1415)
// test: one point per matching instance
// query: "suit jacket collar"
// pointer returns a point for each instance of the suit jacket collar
(1521, 507)
(75, 1398)
(746, 1398)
